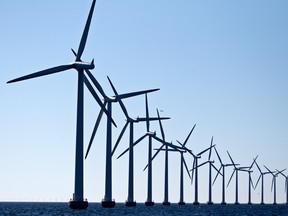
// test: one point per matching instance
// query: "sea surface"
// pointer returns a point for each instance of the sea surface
(41, 208)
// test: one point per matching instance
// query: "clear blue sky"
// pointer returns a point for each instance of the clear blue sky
(220, 64)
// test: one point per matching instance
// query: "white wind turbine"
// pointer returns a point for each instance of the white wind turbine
(77, 202)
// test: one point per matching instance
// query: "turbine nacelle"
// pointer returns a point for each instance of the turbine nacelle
(79, 65)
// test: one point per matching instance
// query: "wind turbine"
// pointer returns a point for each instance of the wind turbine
(250, 182)
(151, 135)
(273, 182)
(262, 174)
(211, 165)
(236, 169)
(286, 183)
(77, 202)
(108, 202)
(223, 176)
(130, 121)
(195, 168)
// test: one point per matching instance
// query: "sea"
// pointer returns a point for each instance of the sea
(62, 209)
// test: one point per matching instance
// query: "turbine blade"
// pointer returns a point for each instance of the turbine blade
(157, 152)
(217, 175)
(94, 94)
(94, 131)
(258, 167)
(147, 114)
(152, 119)
(231, 159)
(251, 182)
(192, 175)
(135, 143)
(231, 178)
(43, 73)
(161, 127)
(133, 94)
(85, 32)
(96, 83)
(218, 155)
(269, 170)
(187, 170)
(272, 184)
(120, 137)
(202, 152)
(202, 164)
(119, 100)
(215, 168)
(187, 138)
(210, 151)
(257, 181)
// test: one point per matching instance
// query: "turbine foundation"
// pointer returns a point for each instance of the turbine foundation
(166, 203)
(181, 203)
(149, 203)
(73, 204)
(108, 203)
(130, 203)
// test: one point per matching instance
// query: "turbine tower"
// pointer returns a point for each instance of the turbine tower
(108, 202)
(223, 176)
(77, 202)
(130, 200)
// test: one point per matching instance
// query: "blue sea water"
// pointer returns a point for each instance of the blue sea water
(62, 209)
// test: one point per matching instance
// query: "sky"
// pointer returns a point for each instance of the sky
(221, 65)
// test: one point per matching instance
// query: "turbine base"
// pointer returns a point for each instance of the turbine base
(223, 203)
(149, 203)
(166, 203)
(236, 203)
(130, 203)
(196, 203)
(108, 203)
(209, 203)
(73, 204)
(181, 203)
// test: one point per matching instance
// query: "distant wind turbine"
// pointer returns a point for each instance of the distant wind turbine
(223, 176)
(236, 169)
(261, 176)
(250, 182)
(77, 202)
(275, 175)
(211, 165)
(195, 169)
